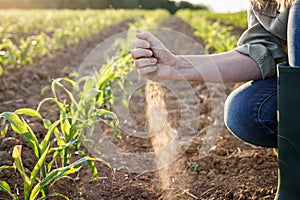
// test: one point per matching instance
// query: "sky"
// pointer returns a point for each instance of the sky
(224, 5)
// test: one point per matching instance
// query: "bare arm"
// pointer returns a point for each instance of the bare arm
(228, 67)
(154, 60)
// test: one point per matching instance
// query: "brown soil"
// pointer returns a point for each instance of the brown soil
(231, 170)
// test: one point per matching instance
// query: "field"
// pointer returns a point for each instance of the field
(50, 111)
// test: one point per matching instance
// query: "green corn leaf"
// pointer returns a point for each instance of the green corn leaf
(106, 76)
(3, 167)
(90, 95)
(113, 116)
(54, 195)
(53, 88)
(57, 151)
(80, 81)
(21, 127)
(57, 82)
(4, 186)
(76, 116)
(51, 129)
(39, 164)
(16, 123)
(18, 161)
(3, 131)
(107, 113)
(28, 111)
(125, 103)
(54, 157)
(88, 84)
(83, 154)
(74, 131)
(47, 123)
(19, 165)
(65, 126)
(93, 168)
(34, 143)
(57, 174)
(91, 164)
(71, 82)
(60, 105)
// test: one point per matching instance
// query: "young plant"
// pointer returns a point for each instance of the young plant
(85, 105)
(37, 181)
(79, 112)
(8, 55)
(4, 185)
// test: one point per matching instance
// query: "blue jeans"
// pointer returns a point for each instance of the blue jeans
(293, 35)
(251, 112)
(251, 109)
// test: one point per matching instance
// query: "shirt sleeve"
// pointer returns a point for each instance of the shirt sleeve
(262, 46)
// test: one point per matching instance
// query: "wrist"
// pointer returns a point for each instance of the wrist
(180, 67)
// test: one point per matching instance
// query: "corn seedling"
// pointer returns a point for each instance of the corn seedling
(43, 175)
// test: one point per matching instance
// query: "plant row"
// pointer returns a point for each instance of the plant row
(28, 34)
(217, 37)
(238, 19)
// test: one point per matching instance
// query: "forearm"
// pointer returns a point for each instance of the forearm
(228, 67)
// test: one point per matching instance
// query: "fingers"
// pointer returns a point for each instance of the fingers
(139, 43)
(149, 37)
(147, 70)
(144, 62)
(141, 53)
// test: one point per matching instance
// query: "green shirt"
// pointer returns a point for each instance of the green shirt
(262, 41)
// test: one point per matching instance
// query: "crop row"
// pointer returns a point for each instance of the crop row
(238, 19)
(17, 24)
(217, 37)
(26, 35)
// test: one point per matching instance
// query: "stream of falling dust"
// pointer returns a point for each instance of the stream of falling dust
(162, 135)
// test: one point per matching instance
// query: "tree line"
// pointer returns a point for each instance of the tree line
(171, 6)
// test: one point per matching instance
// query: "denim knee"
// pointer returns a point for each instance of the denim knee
(236, 119)
(250, 114)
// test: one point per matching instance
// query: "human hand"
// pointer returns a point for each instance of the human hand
(152, 58)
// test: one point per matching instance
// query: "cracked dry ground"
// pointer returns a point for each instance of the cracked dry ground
(231, 170)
